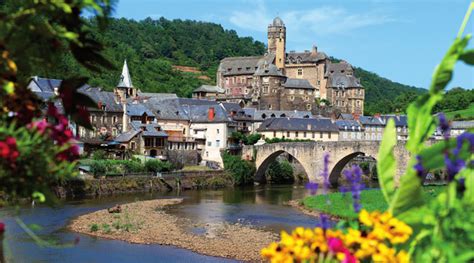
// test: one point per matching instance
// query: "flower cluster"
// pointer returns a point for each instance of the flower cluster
(375, 242)
(59, 132)
(9, 150)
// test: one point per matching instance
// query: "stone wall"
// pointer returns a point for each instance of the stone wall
(181, 158)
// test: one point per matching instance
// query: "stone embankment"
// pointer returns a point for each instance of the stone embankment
(147, 222)
(91, 187)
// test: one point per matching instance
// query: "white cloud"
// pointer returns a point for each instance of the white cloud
(320, 21)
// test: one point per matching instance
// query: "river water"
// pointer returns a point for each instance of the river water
(259, 206)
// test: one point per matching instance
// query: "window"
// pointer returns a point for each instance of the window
(274, 134)
(292, 98)
(301, 92)
(288, 134)
(320, 135)
(300, 72)
(329, 135)
(195, 132)
(103, 119)
(218, 131)
(209, 143)
(93, 118)
(114, 132)
(308, 106)
(312, 135)
(132, 145)
(218, 143)
(114, 119)
(306, 98)
(296, 134)
(358, 103)
(304, 134)
(292, 91)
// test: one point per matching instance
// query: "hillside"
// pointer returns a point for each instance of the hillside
(154, 49)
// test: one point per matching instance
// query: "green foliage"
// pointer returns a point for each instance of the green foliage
(99, 155)
(152, 47)
(115, 167)
(242, 171)
(442, 224)
(340, 204)
(280, 172)
(94, 228)
(277, 140)
(250, 139)
(463, 114)
(157, 166)
(106, 228)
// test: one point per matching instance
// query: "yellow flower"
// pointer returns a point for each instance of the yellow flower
(403, 257)
(365, 218)
(353, 236)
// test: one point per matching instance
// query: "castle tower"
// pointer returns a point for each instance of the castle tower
(125, 87)
(277, 41)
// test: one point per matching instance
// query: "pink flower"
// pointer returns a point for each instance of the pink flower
(8, 149)
(4, 150)
(2, 227)
(336, 245)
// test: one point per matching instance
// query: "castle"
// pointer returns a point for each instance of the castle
(289, 81)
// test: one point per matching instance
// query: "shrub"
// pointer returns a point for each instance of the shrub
(157, 166)
(280, 172)
(98, 168)
(99, 155)
(242, 171)
(94, 228)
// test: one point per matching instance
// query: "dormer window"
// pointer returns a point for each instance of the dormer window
(264, 116)
(229, 69)
(239, 69)
(247, 68)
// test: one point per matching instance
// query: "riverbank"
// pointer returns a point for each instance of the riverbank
(339, 205)
(104, 186)
(147, 222)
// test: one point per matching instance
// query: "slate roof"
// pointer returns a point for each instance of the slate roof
(230, 107)
(168, 109)
(340, 67)
(297, 84)
(260, 115)
(159, 96)
(199, 114)
(298, 124)
(369, 120)
(150, 129)
(343, 80)
(346, 116)
(125, 79)
(268, 70)
(400, 120)
(348, 125)
(209, 89)
(305, 57)
(107, 98)
(127, 136)
(38, 84)
(138, 110)
(278, 22)
(247, 65)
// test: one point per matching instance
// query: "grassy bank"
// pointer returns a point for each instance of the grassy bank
(340, 204)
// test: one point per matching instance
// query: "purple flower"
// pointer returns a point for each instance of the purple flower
(325, 173)
(453, 163)
(420, 170)
(453, 166)
(312, 187)
(444, 125)
(466, 136)
(324, 221)
(354, 177)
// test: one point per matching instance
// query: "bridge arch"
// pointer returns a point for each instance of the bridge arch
(338, 166)
(263, 166)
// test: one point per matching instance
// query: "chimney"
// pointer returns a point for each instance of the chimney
(377, 115)
(99, 104)
(210, 114)
(309, 126)
(125, 118)
(314, 50)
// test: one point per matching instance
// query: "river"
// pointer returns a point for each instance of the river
(259, 206)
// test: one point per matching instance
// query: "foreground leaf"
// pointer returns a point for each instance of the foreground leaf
(387, 165)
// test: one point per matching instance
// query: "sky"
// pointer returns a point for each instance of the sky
(400, 40)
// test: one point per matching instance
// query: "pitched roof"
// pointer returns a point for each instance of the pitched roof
(305, 57)
(260, 115)
(125, 79)
(369, 120)
(266, 69)
(243, 65)
(297, 84)
(349, 125)
(200, 114)
(462, 124)
(168, 109)
(339, 67)
(127, 136)
(160, 96)
(148, 129)
(337, 80)
(400, 120)
(38, 84)
(298, 124)
(209, 88)
(106, 98)
(138, 109)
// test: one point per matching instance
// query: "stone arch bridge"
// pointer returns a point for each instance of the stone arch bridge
(310, 156)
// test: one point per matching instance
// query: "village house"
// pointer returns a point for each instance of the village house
(350, 130)
(320, 129)
(208, 92)
(401, 124)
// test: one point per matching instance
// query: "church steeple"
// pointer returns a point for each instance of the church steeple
(125, 79)
(125, 87)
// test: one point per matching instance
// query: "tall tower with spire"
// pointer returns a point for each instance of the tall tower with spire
(277, 41)
(125, 87)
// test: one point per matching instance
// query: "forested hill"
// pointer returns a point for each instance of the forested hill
(152, 47)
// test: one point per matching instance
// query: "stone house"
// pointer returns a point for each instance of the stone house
(401, 124)
(144, 138)
(320, 129)
(350, 130)
(344, 90)
(208, 92)
(373, 127)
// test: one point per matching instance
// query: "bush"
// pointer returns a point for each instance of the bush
(157, 166)
(276, 140)
(242, 171)
(98, 168)
(99, 155)
(94, 228)
(280, 172)
(247, 140)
